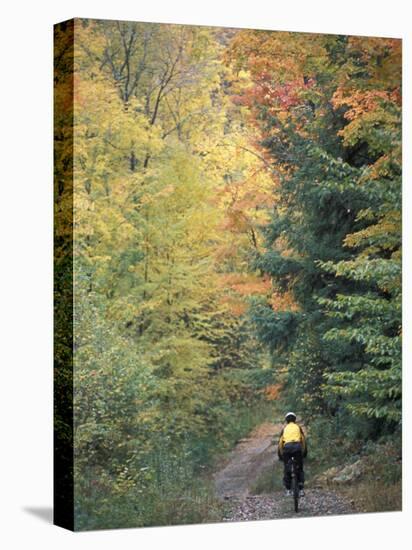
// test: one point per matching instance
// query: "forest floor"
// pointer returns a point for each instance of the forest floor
(246, 484)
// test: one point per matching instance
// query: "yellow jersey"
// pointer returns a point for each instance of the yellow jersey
(292, 433)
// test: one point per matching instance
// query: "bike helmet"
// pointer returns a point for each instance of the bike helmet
(290, 416)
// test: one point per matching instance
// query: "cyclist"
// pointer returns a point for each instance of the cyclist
(292, 442)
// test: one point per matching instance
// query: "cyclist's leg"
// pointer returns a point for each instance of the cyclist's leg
(301, 478)
(301, 473)
(287, 478)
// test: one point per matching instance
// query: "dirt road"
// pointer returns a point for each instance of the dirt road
(253, 460)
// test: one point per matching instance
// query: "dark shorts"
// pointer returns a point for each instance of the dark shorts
(291, 449)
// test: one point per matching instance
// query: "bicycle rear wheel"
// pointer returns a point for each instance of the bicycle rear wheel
(295, 491)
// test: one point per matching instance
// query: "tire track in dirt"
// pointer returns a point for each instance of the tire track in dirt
(246, 463)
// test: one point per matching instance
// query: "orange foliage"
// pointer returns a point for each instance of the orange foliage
(359, 101)
(235, 306)
(283, 301)
(272, 392)
(246, 284)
